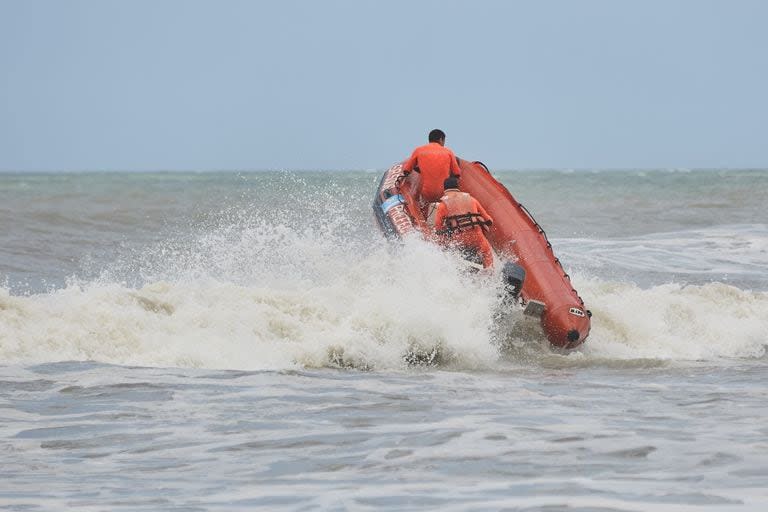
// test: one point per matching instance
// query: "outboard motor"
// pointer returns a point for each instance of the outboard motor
(514, 277)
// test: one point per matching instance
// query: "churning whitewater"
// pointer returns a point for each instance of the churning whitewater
(353, 314)
(262, 283)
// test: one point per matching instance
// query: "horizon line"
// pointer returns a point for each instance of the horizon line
(372, 170)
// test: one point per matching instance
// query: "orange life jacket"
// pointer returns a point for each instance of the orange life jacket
(461, 213)
(458, 219)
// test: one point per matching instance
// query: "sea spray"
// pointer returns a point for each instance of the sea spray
(362, 317)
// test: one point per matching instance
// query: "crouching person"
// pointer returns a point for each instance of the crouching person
(460, 222)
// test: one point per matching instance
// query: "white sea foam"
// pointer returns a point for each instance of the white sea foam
(675, 322)
(367, 318)
(367, 315)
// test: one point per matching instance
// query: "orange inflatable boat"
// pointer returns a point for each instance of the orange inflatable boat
(532, 271)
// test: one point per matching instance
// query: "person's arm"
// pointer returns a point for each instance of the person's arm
(411, 162)
(482, 211)
(455, 169)
(439, 216)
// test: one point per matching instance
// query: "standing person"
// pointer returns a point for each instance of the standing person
(460, 220)
(435, 162)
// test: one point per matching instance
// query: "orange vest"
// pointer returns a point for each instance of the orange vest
(458, 203)
(463, 232)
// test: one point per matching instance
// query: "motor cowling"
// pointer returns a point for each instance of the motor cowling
(513, 276)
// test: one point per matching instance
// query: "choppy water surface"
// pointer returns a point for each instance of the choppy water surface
(230, 341)
(622, 437)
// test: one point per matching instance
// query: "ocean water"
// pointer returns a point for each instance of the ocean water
(236, 341)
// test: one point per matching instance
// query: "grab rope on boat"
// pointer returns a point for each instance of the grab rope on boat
(549, 246)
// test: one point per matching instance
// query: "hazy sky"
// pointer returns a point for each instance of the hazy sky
(180, 84)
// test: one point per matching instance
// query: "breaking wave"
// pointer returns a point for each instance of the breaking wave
(273, 288)
(675, 322)
(306, 303)
(368, 316)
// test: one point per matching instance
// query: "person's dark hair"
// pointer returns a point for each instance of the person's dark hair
(451, 182)
(436, 135)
